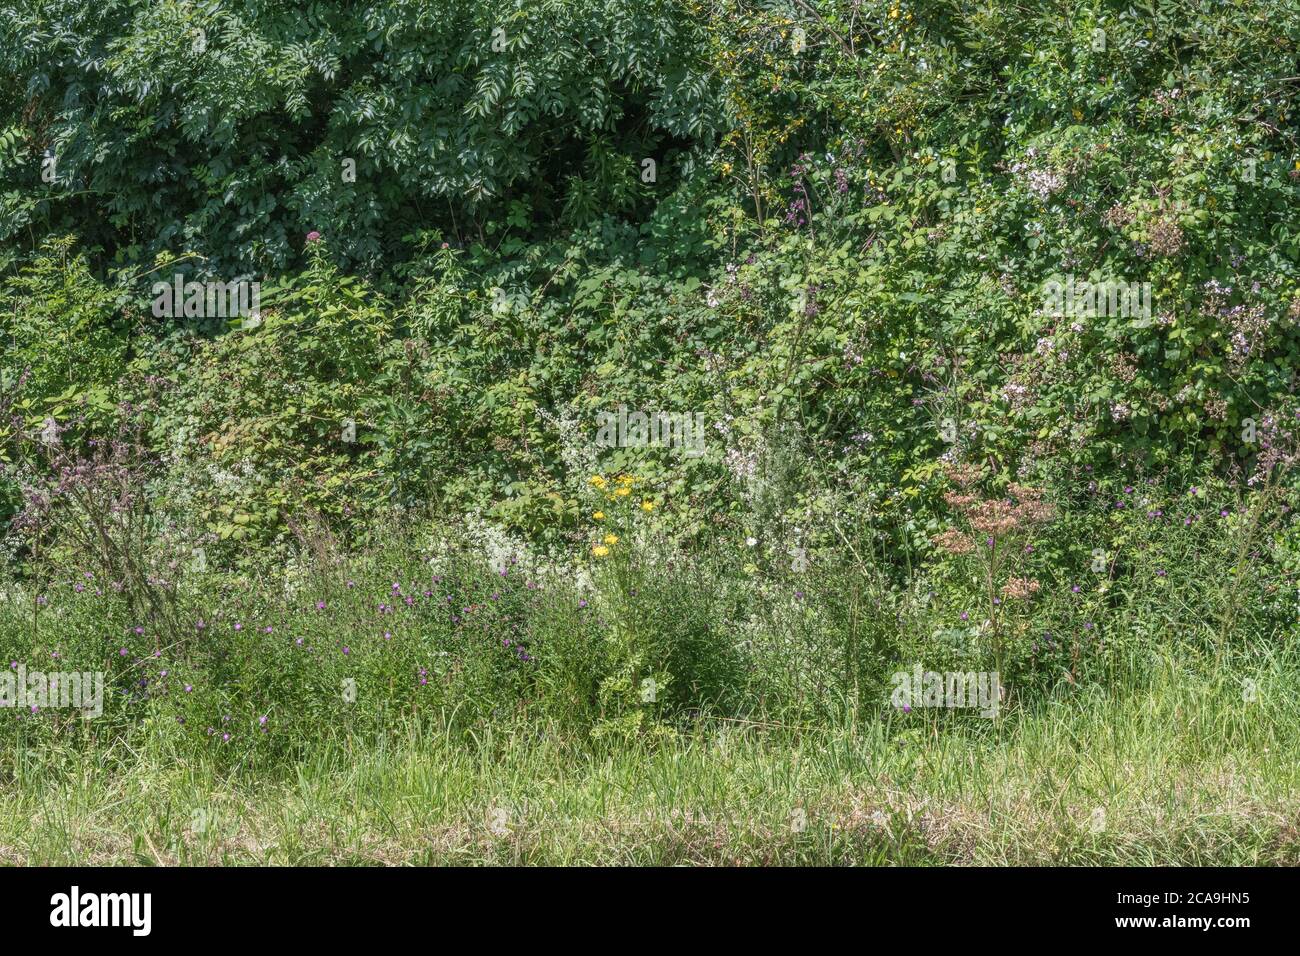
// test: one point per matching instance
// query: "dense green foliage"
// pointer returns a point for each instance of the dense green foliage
(828, 228)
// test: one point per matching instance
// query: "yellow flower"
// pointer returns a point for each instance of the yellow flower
(599, 516)
(611, 539)
(600, 550)
(598, 481)
(622, 492)
(625, 480)
(647, 506)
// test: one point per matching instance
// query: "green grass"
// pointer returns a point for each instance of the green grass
(1186, 771)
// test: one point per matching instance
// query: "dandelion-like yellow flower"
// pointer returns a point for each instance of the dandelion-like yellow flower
(598, 481)
(599, 515)
(625, 480)
(622, 492)
(611, 539)
(600, 550)
(647, 506)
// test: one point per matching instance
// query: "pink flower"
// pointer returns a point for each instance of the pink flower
(313, 236)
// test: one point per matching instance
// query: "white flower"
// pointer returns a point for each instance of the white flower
(751, 541)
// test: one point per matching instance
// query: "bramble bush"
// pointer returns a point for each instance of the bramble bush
(844, 261)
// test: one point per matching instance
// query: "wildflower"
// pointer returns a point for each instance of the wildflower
(623, 492)
(600, 550)
(953, 541)
(647, 506)
(611, 539)
(122, 652)
(598, 482)
(599, 516)
(582, 602)
(313, 236)
(189, 688)
(346, 650)
(751, 541)
(1020, 588)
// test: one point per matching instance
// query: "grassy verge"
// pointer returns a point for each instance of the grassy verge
(1175, 768)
